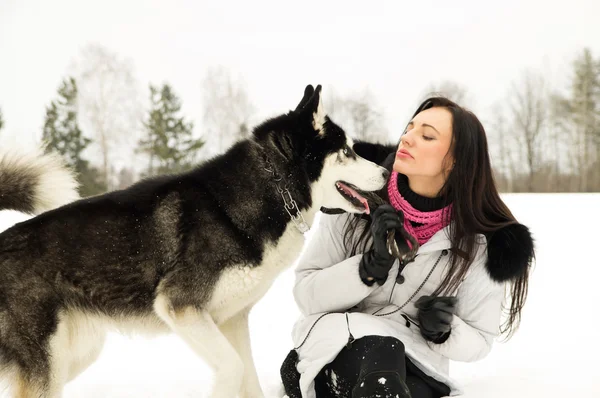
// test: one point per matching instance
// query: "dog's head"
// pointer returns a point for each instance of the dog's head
(309, 141)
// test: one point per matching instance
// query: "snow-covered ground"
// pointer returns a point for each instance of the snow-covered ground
(555, 353)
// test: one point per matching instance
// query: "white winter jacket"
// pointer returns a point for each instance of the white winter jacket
(327, 281)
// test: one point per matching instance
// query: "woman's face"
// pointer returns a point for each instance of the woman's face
(423, 148)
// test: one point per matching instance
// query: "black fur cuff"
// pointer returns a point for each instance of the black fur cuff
(510, 252)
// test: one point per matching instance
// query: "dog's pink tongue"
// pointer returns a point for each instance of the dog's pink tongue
(359, 197)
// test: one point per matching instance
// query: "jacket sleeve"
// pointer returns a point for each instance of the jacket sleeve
(326, 280)
(478, 314)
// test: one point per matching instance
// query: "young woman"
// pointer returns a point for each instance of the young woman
(374, 326)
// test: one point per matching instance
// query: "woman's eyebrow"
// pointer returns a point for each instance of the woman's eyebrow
(425, 125)
(429, 125)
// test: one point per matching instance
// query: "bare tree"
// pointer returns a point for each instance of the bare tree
(529, 112)
(560, 135)
(577, 118)
(359, 115)
(110, 105)
(567, 114)
(585, 113)
(227, 109)
(500, 142)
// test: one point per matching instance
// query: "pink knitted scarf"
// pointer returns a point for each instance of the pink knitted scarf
(432, 221)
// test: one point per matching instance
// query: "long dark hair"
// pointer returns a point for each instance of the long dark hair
(476, 207)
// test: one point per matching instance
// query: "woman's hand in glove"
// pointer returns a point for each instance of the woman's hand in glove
(435, 316)
(376, 263)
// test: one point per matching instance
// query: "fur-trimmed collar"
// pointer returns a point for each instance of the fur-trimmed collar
(510, 249)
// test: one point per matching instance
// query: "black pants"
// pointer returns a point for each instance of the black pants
(371, 366)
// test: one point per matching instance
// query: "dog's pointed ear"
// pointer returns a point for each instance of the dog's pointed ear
(313, 112)
(308, 92)
(319, 114)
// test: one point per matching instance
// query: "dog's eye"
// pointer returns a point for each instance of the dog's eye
(346, 151)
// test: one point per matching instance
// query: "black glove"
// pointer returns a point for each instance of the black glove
(435, 316)
(376, 263)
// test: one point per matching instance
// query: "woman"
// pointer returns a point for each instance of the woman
(374, 326)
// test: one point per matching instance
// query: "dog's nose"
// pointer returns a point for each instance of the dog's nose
(385, 174)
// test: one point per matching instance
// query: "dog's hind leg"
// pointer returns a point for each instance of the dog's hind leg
(72, 347)
(237, 332)
(36, 368)
(22, 388)
(40, 370)
(32, 384)
(199, 331)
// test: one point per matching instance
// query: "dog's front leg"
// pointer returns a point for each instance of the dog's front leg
(237, 332)
(199, 331)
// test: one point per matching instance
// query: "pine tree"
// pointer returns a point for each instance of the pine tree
(62, 134)
(169, 142)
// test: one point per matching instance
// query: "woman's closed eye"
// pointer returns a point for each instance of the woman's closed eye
(427, 138)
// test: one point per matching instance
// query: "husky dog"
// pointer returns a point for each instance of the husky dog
(189, 253)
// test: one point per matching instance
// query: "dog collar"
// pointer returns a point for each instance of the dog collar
(290, 204)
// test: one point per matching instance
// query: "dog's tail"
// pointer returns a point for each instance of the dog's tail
(35, 182)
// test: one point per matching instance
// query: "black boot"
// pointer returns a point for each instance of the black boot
(290, 376)
(381, 384)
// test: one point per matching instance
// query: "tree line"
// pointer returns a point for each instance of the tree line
(542, 139)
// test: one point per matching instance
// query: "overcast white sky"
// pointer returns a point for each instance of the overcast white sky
(396, 48)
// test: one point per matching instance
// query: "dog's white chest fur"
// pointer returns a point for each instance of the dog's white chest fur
(242, 286)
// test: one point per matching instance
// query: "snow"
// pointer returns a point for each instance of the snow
(554, 353)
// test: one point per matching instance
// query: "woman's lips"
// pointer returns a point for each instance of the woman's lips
(402, 153)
